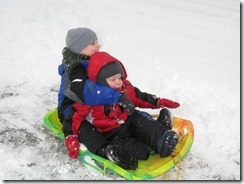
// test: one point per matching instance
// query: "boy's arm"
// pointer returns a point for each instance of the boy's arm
(146, 100)
(156, 101)
(150, 98)
(70, 128)
(143, 100)
(97, 94)
(80, 89)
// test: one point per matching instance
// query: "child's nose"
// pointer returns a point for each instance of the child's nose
(117, 81)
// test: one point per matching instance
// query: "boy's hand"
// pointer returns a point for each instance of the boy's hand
(73, 146)
(167, 103)
(127, 104)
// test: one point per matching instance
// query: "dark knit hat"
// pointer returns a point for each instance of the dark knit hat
(108, 70)
(78, 39)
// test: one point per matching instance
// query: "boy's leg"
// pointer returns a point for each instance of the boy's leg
(152, 133)
(121, 157)
(117, 152)
(91, 137)
(165, 119)
(100, 144)
(141, 127)
(134, 146)
(137, 148)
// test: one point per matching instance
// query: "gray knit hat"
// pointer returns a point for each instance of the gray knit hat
(109, 70)
(78, 39)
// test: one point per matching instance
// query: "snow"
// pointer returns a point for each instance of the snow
(184, 50)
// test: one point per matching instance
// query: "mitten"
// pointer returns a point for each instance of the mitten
(127, 104)
(73, 146)
(167, 103)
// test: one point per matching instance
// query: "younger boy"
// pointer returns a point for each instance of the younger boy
(130, 137)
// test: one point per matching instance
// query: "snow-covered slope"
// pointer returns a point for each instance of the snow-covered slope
(185, 50)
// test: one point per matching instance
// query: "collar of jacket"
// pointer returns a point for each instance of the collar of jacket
(71, 60)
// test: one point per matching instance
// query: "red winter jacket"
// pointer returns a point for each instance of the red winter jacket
(108, 117)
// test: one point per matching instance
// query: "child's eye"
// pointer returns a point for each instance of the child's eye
(94, 43)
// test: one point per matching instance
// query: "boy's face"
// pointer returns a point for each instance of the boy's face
(91, 49)
(115, 81)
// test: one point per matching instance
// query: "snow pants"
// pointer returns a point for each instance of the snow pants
(138, 135)
(143, 129)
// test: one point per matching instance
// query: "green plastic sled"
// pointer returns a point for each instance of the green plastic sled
(149, 169)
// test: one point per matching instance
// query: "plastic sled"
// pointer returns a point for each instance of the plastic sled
(147, 169)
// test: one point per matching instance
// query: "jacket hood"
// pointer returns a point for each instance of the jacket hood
(97, 61)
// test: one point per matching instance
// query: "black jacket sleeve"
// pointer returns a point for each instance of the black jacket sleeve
(67, 124)
(152, 99)
(75, 83)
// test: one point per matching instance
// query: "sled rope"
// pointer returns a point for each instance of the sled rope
(178, 168)
(165, 177)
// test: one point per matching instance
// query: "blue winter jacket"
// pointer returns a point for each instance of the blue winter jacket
(77, 87)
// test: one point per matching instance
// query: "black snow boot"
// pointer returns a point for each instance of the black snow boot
(102, 151)
(121, 157)
(165, 119)
(166, 143)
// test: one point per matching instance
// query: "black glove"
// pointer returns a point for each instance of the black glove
(127, 104)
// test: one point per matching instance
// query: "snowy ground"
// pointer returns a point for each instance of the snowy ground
(185, 50)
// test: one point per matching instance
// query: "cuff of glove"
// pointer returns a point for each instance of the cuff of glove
(71, 136)
(157, 103)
